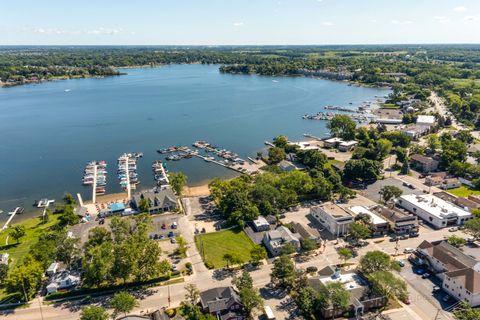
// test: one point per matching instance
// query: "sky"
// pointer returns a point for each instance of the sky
(238, 22)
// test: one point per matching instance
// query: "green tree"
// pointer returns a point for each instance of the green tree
(401, 154)
(433, 143)
(147, 261)
(389, 192)
(97, 236)
(123, 261)
(123, 302)
(25, 279)
(283, 272)
(345, 254)
(193, 294)
(308, 244)
(97, 264)
(69, 200)
(144, 205)
(358, 231)
(68, 216)
(258, 253)
(244, 281)
(275, 155)
(334, 295)
(306, 300)
(177, 181)
(362, 170)
(456, 241)
(251, 300)
(376, 260)
(93, 313)
(288, 248)
(3, 272)
(465, 312)
(385, 283)
(342, 126)
(67, 249)
(472, 226)
(17, 232)
(280, 142)
(383, 147)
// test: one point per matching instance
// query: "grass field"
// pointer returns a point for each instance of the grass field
(216, 244)
(464, 191)
(33, 229)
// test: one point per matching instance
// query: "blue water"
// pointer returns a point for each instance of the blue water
(47, 135)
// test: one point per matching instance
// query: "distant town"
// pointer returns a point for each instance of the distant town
(378, 220)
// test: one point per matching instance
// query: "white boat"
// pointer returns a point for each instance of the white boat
(67, 90)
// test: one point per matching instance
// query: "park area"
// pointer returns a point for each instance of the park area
(464, 191)
(213, 246)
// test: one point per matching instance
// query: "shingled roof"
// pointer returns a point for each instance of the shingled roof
(469, 277)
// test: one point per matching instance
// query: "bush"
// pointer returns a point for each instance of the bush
(209, 265)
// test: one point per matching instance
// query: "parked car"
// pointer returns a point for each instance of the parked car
(426, 275)
(101, 221)
(203, 230)
(312, 269)
(420, 271)
(174, 225)
(452, 229)
(446, 298)
(411, 186)
(171, 234)
(407, 300)
(408, 250)
(164, 226)
(414, 235)
(173, 240)
(403, 237)
(401, 263)
(436, 288)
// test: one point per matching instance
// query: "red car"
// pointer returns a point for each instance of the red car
(164, 226)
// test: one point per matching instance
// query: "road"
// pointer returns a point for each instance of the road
(441, 108)
(205, 279)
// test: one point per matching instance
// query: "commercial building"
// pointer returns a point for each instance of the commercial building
(334, 218)
(401, 223)
(425, 122)
(434, 210)
(275, 240)
(346, 146)
(161, 201)
(332, 142)
(378, 225)
(459, 272)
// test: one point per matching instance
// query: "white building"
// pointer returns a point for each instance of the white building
(334, 218)
(434, 210)
(459, 272)
(426, 122)
(261, 224)
(4, 258)
(378, 225)
(346, 146)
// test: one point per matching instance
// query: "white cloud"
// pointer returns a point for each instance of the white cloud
(473, 18)
(238, 24)
(394, 21)
(327, 23)
(460, 9)
(441, 19)
(61, 31)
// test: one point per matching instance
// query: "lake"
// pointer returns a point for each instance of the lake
(49, 131)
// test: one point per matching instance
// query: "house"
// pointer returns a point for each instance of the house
(287, 166)
(450, 183)
(276, 239)
(465, 203)
(222, 302)
(436, 178)
(261, 224)
(425, 122)
(474, 198)
(400, 222)
(4, 258)
(333, 217)
(158, 201)
(423, 163)
(459, 272)
(63, 281)
(346, 146)
(434, 210)
(378, 225)
(332, 142)
(52, 269)
(412, 131)
(362, 299)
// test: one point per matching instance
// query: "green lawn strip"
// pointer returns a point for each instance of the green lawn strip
(464, 191)
(216, 244)
(33, 229)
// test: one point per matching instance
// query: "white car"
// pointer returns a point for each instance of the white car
(408, 250)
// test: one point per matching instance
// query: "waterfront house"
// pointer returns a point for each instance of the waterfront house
(276, 239)
(158, 201)
(333, 217)
(346, 146)
(459, 272)
(222, 302)
(332, 142)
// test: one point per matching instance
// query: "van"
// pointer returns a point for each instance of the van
(268, 313)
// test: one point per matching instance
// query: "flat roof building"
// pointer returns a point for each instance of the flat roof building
(378, 225)
(434, 210)
(400, 222)
(333, 217)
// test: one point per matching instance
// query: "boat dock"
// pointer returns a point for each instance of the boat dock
(12, 215)
(127, 171)
(160, 174)
(95, 175)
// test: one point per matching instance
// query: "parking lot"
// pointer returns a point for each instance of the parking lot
(372, 191)
(163, 225)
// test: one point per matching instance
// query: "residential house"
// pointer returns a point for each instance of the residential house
(332, 142)
(400, 222)
(63, 281)
(362, 298)
(261, 224)
(413, 131)
(222, 302)
(450, 183)
(287, 166)
(423, 163)
(459, 272)
(434, 210)
(333, 217)
(276, 239)
(378, 225)
(4, 258)
(160, 201)
(346, 146)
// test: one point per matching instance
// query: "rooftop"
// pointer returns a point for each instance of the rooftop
(422, 159)
(435, 206)
(423, 119)
(362, 210)
(334, 210)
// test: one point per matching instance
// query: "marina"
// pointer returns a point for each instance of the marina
(95, 175)
(127, 171)
(160, 174)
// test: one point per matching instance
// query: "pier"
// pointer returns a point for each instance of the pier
(94, 189)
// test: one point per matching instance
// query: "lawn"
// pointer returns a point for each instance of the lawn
(464, 191)
(214, 245)
(33, 229)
